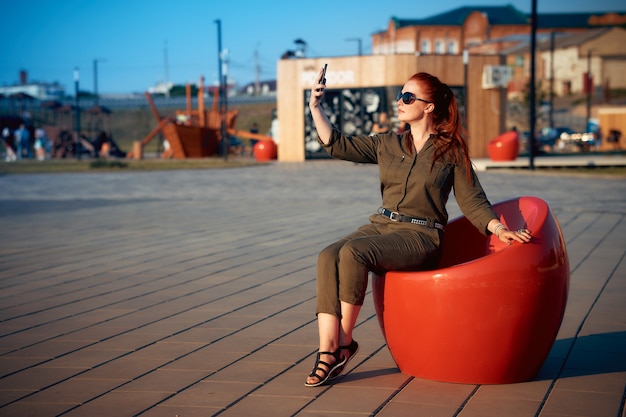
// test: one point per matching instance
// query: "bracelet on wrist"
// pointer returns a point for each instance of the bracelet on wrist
(499, 227)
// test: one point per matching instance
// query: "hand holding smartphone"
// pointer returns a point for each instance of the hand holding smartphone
(323, 79)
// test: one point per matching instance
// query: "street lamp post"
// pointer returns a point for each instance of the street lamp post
(465, 100)
(224, 106)
(76, 115)
(588, 88)
(551, 110)
(222, 91)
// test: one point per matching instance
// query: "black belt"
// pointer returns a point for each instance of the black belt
(397, 217)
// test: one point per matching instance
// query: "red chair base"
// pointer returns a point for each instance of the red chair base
(490, 313)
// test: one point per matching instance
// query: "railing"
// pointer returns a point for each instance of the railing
(17, 105)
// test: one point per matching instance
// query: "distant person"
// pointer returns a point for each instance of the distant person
(42, 144)
(254, 129)
(235, 145)
(6, 142)
(22, 142)
(613, 139)
(274, 128)
(383, 125)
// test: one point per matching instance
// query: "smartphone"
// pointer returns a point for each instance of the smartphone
(324, 74)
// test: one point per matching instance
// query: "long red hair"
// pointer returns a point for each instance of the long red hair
(446, 120)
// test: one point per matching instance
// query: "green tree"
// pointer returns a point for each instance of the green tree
(179, 90)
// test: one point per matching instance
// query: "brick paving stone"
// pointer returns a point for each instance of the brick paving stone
(192, 293)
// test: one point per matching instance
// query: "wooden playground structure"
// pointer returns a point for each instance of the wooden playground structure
(193, 133)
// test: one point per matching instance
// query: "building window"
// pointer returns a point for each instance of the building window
(439, 47)
(425, 47)
(452, 49)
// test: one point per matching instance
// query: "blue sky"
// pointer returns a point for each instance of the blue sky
(128, 38)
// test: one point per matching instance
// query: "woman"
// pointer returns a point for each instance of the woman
(417, 172)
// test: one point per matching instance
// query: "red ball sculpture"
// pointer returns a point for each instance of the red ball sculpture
(265, 150)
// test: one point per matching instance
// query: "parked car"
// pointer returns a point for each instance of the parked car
(581, 141)
(565, 139)
(548, 139)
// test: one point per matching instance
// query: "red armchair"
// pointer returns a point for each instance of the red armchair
(504, 147)
(490, 313)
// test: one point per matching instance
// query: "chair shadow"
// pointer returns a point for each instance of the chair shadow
(585, 355)
(582, 356)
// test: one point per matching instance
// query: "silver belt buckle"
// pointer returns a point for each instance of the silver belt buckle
(394, 216)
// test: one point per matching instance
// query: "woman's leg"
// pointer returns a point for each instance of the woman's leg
(334, 333)
(329, 279)
(343, 270)
(335, 319)
(349, 314)
(328, 326)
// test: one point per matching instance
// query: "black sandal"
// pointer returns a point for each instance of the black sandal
(353, 348)
(339, 361)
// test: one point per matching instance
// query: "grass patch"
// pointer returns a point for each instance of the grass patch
(101, 163)
(156, 164)
(119, 165)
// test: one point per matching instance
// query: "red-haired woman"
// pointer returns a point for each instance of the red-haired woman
(418, 169)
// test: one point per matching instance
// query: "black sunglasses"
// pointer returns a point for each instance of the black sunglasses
(409, 98)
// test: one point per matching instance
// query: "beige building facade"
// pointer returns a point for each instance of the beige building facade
(567, 58)
(359, 87)
(504, 30)
(436, 38)
(601, 52)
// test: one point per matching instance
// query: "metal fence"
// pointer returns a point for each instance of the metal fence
(16, 106)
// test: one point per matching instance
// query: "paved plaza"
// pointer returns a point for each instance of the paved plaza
(192, 293)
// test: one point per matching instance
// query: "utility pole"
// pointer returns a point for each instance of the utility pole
(76, 115)
(257, 71)
(589, 88)
(551, 110)
(533, 115)
(224, 106)
(358, 40)
(465, 100)
(166, 69)
(95, 81)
